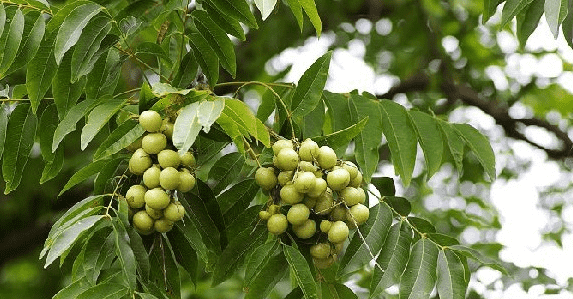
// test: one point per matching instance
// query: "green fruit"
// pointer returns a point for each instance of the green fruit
(139, 162)
(153, 143)
(306, 230)
(277, 224)
(357, 181)
(337, 248)
(338, 232)
(188, 160)
(186, 181)
(265, 177)
(153, 213)
(174, 211)
(157, 198)
(151, 177)
(320, 250)
(318, 174)
(150, 120)
(168, 158)
(304, 181)
(358, 214)
(169, 178)
(163, 225)
(351, 168)
(274, 209)
(338, 179)
(289, 195)
(320, 186)
(325, 203)
(264, 215)
(134, 196)
(352, 196)
(167, 128)
(280, 144)
(325, 226)
(298, 214)
(285, 177)
(142, 221)
(309, 202)
(306, 166)
(338, 213)
(323, 263)
(326, 157)
(308, 150)
(287, 159)
(132, 147)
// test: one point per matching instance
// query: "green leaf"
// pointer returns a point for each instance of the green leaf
(209, 63)
(197, 212)
(257, 260)
(86, 50)
(489, 8)
(68, 123)
(400, 204)
(217, 39)
(246, 218)
(310, 9)
(4, 115)
(476, 255)
(83, 174)
(106, 290)
(48, 123)
(310, 86)
(70, 30)
(266, 7)
(65, 93)
(422, 225)
(238, 121)
(31, 39)
(121, 137)
(96, 250)
(451, 276)
(68, 237)
(152, 49)
(239, 10)
(125, 254)
(296, 9)
(73, 289)
(313, 122)
(530, 20)
(237, 198)
(401, 138)
(234, 254)
(192, 118)
(336, 291)
(480, 146)
(184, 253)
(384, 185)
(365, 244)
(296, 293)
(193, 237)
(430, 139)
(419, 278)
(20, 134)
(140, 253)
(186, 72)
(11, 42)
(511, 8)
(392, 259)
(342, 137)
(226, 170)
(99, 116)
(455, 144)
(301, 271)
(555, 13)
(103, 78)
(229, 24)
(166, 273)
(270, 274)
(2, 18)
(40, 71)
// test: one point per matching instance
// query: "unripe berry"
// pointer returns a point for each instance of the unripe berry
(318, 174)
(287, 159)
(169, 178)
(289, 195)
(153, 143)
(304, 181)
(358, 214)
(285, 177)
(325, 226)
(132, 147)
(151, 177)
(277, 224)
(188, 160)
(280, 144)
(338, 232)
(265, 177)
(150, 120)
(308, 150)
(168, 158)
(174, 211)
(325, 203)
(306, 166)
(163, 225)
(338, 213)
(142, 221)
(274, 209)
(264, 215)
(351, 168)
(353, 196)
(337, 248)
(153, 213)
(306, 230)
(157, 198)
(298, 214)
(326, 157)
(167, 128)
(320, 250)
(338, 179)
(357, 181)
(134, 196)
(139, 162)
(186, 181)
(320, 186)
(323, 263)
(309, 202)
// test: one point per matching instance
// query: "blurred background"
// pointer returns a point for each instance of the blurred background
(431, 55)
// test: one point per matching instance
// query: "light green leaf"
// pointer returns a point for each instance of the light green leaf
(73, 289)
(86, 50)
(98, 118)
(12, 42)
(20, 134)
(31, 39)
(310, 9)
(106, 290)
(478, 256)
(310, 86)
(555, 13)
(480, 146)
(451, 276)
(430, 139)
(68, 124)
(237, 9)
(296, 9)
(419, 278)
(125, 254)
(237, 121)
(83, 174)
(217, 39)
(266, 7)
(313, 122)
(40, 71)
(270, 274)
(209, 63)
(48, 124)
(257, 260)
(301, 271)
(511, 8)
(4, 115)
(2, 18)
(455, 144)
(121, 137)
(71, 28)
(192, 118)
(107, 174)
(66, 93)
(342, 137)
(153, 49)
(161, 90)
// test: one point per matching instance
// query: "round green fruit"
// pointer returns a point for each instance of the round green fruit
(309, 202)
(153, 213)
(308, 150)
(135, 196)
(285, 177)
(150, 120)
(174, 211)
(132, 147)
(287, 159)
(306, 166)
(353, 196)
(304, 181)
(320, 250)
(168, 158)
(306, 230)
(326, 157)
(163, 225)
(358, 214)
(153, 143)
(325, 226)
(320, 186)
(338, 179)
(151, 177)
(142, 221)
(323, 263)
(169, 178)
(357, 181)
(264, 215)
(338, 232)
(265, 177)
(277, 224)
(139, 162)
(351, 168)
(186, 181)
(289, 195)
(325, 203)
(188, 160)
(298, 214)
(167, 128)
(274, 209)
(280, 144)
(157, 198)
(337, 248)
(338, 213)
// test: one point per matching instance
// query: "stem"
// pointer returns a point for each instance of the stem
(251, 152)
(126, 92)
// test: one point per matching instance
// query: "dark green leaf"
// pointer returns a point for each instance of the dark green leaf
(197, 212)
(247, 218)
(2, 18)
(106, 290)
(124, 135)
(83, 174)
(528, 19)
(125, 254)
(419, 278)
(511, 8)
(451, 282)
(66, 93)
(103, 78)
(301, 271)
(184, 253)
(237, 198)
(229, 24)
(257, 260)
(480, 146)
(99, 116)
(48, 124)
(310, 86)
(52, 168)
(73, 289)
(226, 170)
(239, 10)
(152, 49)
(186, 72)
(31, 39)
(209, 63)
(193, 237)
(384, 185)
(40, 71)
(165, 273)
(84, 55)
(268, 276)
(422, 225)
(217, 39)
(430, 139)
(140, 253)
(4, 115)
(12, 42)
(68, 124)
(343, 137)
(490, 7)
(313, 122)
(336, 291)
(455, 144)
(443, 240)
(400, 204)
(476, 255)
(238, 121)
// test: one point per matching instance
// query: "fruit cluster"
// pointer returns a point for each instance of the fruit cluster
(313, 186)
(163, 171)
